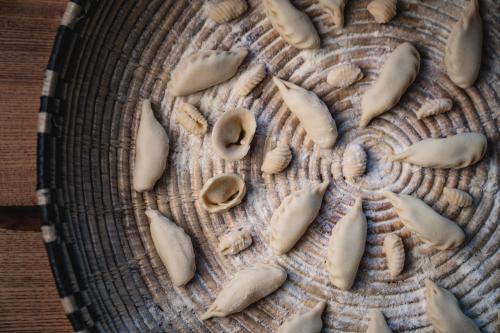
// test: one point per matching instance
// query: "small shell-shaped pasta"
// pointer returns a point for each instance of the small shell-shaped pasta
(227, 10)
(382, 10)
(235, 241)
(191, 119)
(395, 254)
(457, 197)
(277, 159)
(434, 107)
(222, 192)
(250, 79)
(354, 161)
(344, 75)
(335, 8)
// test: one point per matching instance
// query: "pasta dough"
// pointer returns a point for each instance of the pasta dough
(151, 150)
(454, 152)
(222, 192)
(346, 247)
(205, 69)
(294, 26)
(377, 323)
(428, 225)
(277, 160)
(395, 254)
(397, 74)
(312, 112)
(247, 287)
(173, 246)
(464, 47)
(444, 312)
(335, 8)
(292, 218)
(309, 322)
(233, 133)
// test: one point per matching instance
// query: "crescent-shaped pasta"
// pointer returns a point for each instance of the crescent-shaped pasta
(308, 322)
(464, 47)
(397, 74)
(173, 246)
(424, 222)
(292, 218)
(454, 152)
(294, 26)
(151, 150)
(246, 287)
(443, 311)
(205, 69)
(311, 111)
(346, 247)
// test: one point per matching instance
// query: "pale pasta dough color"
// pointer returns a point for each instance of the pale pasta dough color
(424, 222)
(346, 247)
(151, 150)
(205, 69)
(309, 322)
(247, 287)
(292, 218)
(377, 323)
(444, 312)
(397, 74)
(312, 112)
(454, 152)
(335, 8)
(173, 246)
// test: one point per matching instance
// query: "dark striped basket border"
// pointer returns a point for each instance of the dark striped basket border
(57, 74)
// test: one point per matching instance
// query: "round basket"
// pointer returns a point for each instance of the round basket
(109, 55)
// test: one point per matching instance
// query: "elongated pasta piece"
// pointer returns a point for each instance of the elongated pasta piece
(346, 247)
(311, 111)
(425, 223)
(294, 26)
(173, 246)
(250, 79)
(464, 47)
(457, 197)
(205, 69)
(246, 287)
(344, 75)
(335, 8)
(454, 152)
(397, 74)
(443, 311)
(292, 218)
(191, 119)
(308, 322)
(277, 160)
(151, 150)
(434, 107)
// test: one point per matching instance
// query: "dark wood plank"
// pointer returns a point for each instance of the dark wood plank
(27, 31)
(28, 296)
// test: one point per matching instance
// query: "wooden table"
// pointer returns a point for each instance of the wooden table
(28, 297)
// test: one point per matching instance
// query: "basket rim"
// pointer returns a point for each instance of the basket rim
(51, 100)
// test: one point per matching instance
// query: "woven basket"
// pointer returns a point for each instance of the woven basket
(109, 55)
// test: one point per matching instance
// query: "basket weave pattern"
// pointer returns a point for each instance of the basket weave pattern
(109, 55)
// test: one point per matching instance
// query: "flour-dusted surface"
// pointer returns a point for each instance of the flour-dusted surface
(140, 43)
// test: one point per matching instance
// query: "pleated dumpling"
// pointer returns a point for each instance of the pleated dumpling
(444, 312)
(426, 223)
(205, 69)
(173, 246)
(346, 247)
(292, 218)
(454, 152)
(151, 150)
(464, 47)
(294, 26)
(247, 287)
(308, 322)
(311, 111)
(397, 74)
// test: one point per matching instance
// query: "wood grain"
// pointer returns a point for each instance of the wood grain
(27, 31)
(28, 297)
